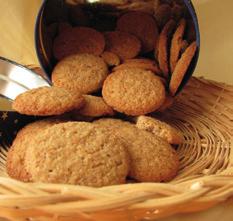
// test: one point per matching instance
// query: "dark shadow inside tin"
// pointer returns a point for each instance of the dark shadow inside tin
(102, 17)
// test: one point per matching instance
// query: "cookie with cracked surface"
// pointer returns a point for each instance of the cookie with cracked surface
(83, 73)
(123, 44)
(85, 154)
(110, 58)
(162, 49)
(94, 107)
(47, 101)
(133, 91)
(146, 64)
(181, 68)
(176, 44)
(142, 25)
(15, 159)
(160, 129)
(152, 159)
(78, 40)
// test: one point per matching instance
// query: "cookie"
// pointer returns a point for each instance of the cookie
(133, 91)
(84, 73)
(63, 26)
(181, 68)
(77, 153)
(47, 101)
(163, 42)
(123, 44)
(163, 14)
(142, 25)
(94, 107)
(78, 40)
(152, 159)
(111, 59)
(15, 159)
(167, 103)
(146, 64)
(160, 129)
(176, 44)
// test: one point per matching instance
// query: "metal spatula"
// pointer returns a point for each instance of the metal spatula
(16, 79)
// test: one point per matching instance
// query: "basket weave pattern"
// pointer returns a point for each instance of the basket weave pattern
(204, 113)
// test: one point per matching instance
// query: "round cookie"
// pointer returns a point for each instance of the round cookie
(84, 73)
(78, 40)
(182, 67)
(47, 101)
(133, 91)
(152, 159)
(123, 44)
(160, 129)
(94, 107)
(77, 153)
(15, 159)
(146, 64)
(110, 58)
(142, 25)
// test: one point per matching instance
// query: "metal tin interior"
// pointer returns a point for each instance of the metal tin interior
(53, 11)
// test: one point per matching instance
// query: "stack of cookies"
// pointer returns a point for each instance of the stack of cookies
(133, 69)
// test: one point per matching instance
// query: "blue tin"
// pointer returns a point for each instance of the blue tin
(54, 11)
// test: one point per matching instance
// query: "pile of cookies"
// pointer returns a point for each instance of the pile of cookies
(128, 72)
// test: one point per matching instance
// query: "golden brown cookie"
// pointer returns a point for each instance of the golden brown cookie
(111, 59)
(133, 91)
(163, 42)
(16, 155)
(84, 73)
(152, 159)
(146, 64)
(176, 44)
(123, 44)
(47, 101)
(181, 68)
(160, 129)
(78, 40)
(142, 25)
(94, 107)
(163, 14)
(77, 153)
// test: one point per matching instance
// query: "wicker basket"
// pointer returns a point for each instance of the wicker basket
(204, 112)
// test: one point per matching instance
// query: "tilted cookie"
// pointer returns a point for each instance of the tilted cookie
(16, 156)
(152, 159)
(146, 64)
(160, 129)
(78, 40)
(123, 44)
(162, 47)
(110, 58)
(81, 73)
(181, 68)
(47, 101)
(176, 45)
(94, 107)
(142, 25)
(77, 153)
(133, 91)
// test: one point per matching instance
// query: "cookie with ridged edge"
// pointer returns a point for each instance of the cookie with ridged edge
(78, 40)
(47, 101)
(81, 73)
(110, 58)
(182, 67)
(123, 44)
(15, 159)
(142, 25)
(152, 159)
(77, 153)
(160, 129)
(94, 107)
(133, 91)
